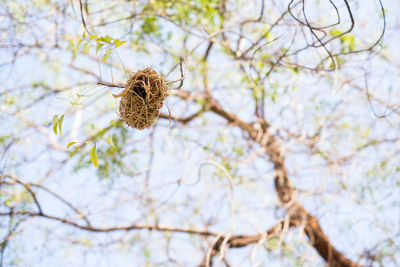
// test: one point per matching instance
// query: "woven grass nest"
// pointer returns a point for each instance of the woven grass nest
(142, 99)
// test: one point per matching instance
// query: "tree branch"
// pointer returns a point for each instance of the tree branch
(259, 133)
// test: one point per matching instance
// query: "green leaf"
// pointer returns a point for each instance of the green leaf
(92, 36)
(86, 48)
(99, 46)
(273, 242)
(106, 39)
(3, 139)
(54, 122)
(335, 32)
(107, 55)
(93, 156)
(110, 142)
(79, 43)
(117, 42)
(60, 121)
(150, 25)
(71, 144)
(348, 42)
(79, 95)
(75, 103)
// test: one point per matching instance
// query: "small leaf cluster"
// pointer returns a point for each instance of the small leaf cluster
(57, 122)
(105, 43)
(106, 152)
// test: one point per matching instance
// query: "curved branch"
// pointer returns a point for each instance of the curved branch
(298, 215)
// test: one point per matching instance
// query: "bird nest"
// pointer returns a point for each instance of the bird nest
(142, 99)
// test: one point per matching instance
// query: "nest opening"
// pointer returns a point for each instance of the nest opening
(142, 98)
(139, 89)
(139, 86)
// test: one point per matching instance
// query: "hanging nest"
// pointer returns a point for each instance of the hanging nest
(142, 98)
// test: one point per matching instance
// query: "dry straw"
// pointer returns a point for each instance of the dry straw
(142, 98)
